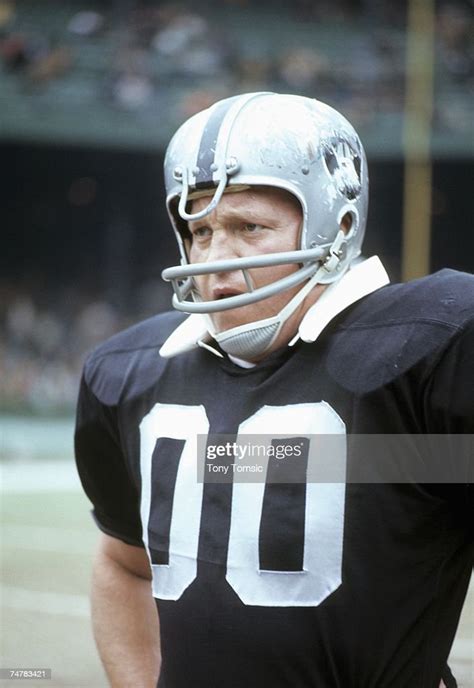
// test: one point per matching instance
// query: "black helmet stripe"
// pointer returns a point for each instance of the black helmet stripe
(207, 146)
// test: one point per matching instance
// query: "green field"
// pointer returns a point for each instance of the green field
(47, 544)
(47, 540)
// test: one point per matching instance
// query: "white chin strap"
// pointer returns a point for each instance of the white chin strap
(253, 339)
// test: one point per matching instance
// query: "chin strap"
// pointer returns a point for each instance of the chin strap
(255, 338)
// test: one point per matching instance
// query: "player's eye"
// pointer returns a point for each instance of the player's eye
(251, 227)
(200, 232)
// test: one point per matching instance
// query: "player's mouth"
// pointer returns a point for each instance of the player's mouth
(224, 293)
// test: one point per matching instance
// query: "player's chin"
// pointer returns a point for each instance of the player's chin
(227, 320)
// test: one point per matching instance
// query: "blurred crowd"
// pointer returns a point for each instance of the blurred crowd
(139, 55)
(47, 330)
(43, 346)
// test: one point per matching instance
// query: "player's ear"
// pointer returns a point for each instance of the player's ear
(346, 223)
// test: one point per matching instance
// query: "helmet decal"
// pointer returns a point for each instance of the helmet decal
(343, 163)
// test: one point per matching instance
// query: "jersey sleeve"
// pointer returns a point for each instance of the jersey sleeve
(103, 469)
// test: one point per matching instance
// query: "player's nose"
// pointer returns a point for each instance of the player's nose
(222, 246)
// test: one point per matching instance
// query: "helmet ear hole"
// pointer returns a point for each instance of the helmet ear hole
(346, 222)
(349, 220)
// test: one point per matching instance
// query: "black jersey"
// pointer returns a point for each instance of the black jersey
(292, 585)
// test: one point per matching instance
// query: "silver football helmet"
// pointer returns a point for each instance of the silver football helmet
(291, 142)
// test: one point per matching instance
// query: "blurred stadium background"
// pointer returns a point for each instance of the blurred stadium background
(90, 93)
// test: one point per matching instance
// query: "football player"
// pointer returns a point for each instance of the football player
(282, 330)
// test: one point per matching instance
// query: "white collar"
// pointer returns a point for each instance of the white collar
(362, 279)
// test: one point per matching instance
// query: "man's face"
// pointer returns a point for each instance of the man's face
(248, 223)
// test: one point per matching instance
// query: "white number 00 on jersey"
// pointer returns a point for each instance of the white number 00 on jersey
(324, 510)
